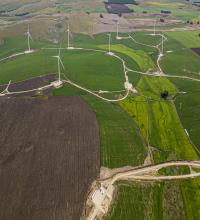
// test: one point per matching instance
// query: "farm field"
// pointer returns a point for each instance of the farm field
(46, 171)
(148, 201)
(127, 128)
(181, 60)
(188, 108)
(179, 9)
(121, 141)
(159, 123)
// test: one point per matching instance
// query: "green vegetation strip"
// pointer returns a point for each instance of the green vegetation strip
(139, 56)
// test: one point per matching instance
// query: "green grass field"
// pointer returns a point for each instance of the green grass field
(158, 120)
(132, 202)
(84, 68)
(181, 60)
(188, 107)
(140, 57)
(159, 123)
(125, 128)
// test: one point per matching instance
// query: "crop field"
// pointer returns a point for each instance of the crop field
(160, 125)
(42, 62)
(144, 64)
(181, 60)
(46, 171)
(189, 39)
(30, 84)
(121, 141)
(138, 202)
(148, 201)
(179, 9)
(188, 107)
(171, 141)
(125, 128)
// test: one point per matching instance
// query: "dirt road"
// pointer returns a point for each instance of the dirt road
(101, 194)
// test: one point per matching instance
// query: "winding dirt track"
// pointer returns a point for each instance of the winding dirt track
(100, 198)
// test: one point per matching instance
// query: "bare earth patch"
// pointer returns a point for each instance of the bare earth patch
(196, 50)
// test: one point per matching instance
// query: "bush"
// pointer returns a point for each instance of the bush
(164, 94)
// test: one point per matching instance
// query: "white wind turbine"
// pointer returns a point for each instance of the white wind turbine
(68, 38)
(117, 37)
(29, 37)
(162, 45)
(154, 32)
(154, 29)
(60, 63)
(109, 45)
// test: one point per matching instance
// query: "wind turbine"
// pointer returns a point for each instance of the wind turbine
(154, 32)
(68, 38)
(154, 29)
(118, 37)
(162, 45)
(109, 44)
(6, 91)
(28, 39)
(60, 63)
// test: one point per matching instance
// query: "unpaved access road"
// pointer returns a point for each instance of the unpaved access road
(101, 193)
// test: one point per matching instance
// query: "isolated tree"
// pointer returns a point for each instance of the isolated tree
(164, 94)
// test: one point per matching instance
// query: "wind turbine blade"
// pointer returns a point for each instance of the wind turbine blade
(61, 63)
(30, 36)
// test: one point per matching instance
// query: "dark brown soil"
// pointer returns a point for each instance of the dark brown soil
(196, 50)
(117, 8)
(49, 156)
(33, 83)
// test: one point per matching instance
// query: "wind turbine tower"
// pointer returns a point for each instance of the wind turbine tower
(58, 83)
(162, 45)
(68, 38)
(29, 37)
(154, 33)
(117, 37)
(109, 45)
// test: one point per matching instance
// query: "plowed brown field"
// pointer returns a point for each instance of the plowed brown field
(49, 156)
